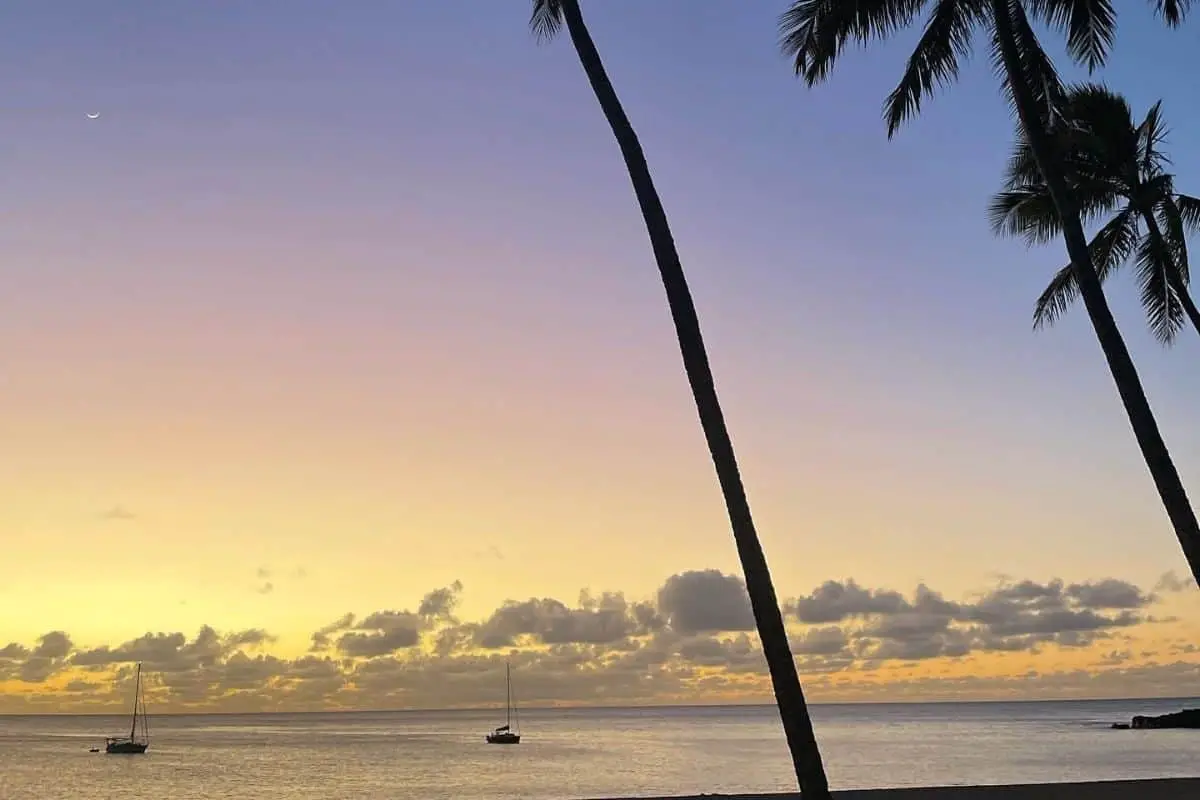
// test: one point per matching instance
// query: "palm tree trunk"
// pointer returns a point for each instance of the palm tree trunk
(1189, 305)
(793, 709)
(1120, 363)
(1173, 276)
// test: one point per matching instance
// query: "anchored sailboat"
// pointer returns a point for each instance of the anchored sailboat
(133, 743)
(505, 733)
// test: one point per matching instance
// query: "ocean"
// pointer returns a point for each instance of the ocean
(585, 753)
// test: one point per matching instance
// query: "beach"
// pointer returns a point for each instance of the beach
(1161, 789)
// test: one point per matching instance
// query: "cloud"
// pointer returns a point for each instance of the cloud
(118, 513)
(694, 640)
(265, 584)
(834, 601)
(705, 600)
(322, 638)
(1171, 583)
(1020, 616)
(440, 603)
(381, 633)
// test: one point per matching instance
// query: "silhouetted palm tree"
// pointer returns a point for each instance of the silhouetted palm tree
(814, 33)
(548, 17)
(1113, 166)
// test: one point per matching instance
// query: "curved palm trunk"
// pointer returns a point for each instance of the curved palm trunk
(1120, 363)
(1189, 305)
(810, 773)
(1173, 277)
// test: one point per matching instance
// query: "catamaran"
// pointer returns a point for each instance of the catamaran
(505, 733)
(133, 743)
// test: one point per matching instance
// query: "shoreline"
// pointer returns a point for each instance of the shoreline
(1143, 789)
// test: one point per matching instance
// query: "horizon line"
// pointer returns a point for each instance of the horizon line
(477, 709)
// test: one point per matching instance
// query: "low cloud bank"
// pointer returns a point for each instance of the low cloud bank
(694, 641)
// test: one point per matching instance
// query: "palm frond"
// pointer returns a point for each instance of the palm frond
(1175, 230)
(1158, 189)
(1054, 301)
(1110, 248)
(935, 61)
(1037, 70)
(813, 33)
(1151, 135)
(1189, 209)
(1099, 125)
(1086, 166)
(1090, 26)
(1172, 11)
(1027, 211)
(1022, 165)
(1164, 311)
(547, 19)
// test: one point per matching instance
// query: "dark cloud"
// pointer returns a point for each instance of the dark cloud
(1170, 582)
(705, 600)
(696, 639)
(834, 601)
(54, 644)
(381, 633)
(173, 652)
(1108, 593)
(604, 620)
(322, 638)
(1013, 616)
(440, 603)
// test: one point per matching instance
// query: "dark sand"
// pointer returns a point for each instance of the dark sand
(1164, 789)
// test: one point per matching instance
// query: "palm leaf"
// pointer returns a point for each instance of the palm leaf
(1111, 247)
(1037, 70)
(546, 19)
(813, 33)
(1027, 211)
(1151, 135)
(1090, 26)
(1175, 230)
(935, 61)
(1172, 11)
(1164, 311)
(1098, 124)
(1189, 210)
(1022, 166)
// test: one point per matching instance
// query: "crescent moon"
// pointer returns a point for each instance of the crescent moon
(94, 116)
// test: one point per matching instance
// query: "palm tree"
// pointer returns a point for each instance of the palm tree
(549, 16)
(814, 33)
(1115, 166)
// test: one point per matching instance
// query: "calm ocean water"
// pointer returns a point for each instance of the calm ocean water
(585, 753)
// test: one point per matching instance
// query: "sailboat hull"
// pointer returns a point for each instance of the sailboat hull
(504, 738)
(125, 747)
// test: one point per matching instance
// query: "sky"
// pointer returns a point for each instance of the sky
(327, 318)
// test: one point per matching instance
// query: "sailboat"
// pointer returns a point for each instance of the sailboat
(505, 733)
(133, 744)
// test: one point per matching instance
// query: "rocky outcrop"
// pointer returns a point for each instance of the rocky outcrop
(1188, 718)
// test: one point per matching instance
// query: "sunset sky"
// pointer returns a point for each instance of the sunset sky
(329, 310)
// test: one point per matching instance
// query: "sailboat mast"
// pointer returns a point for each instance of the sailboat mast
(507, 695)
(137, 692)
